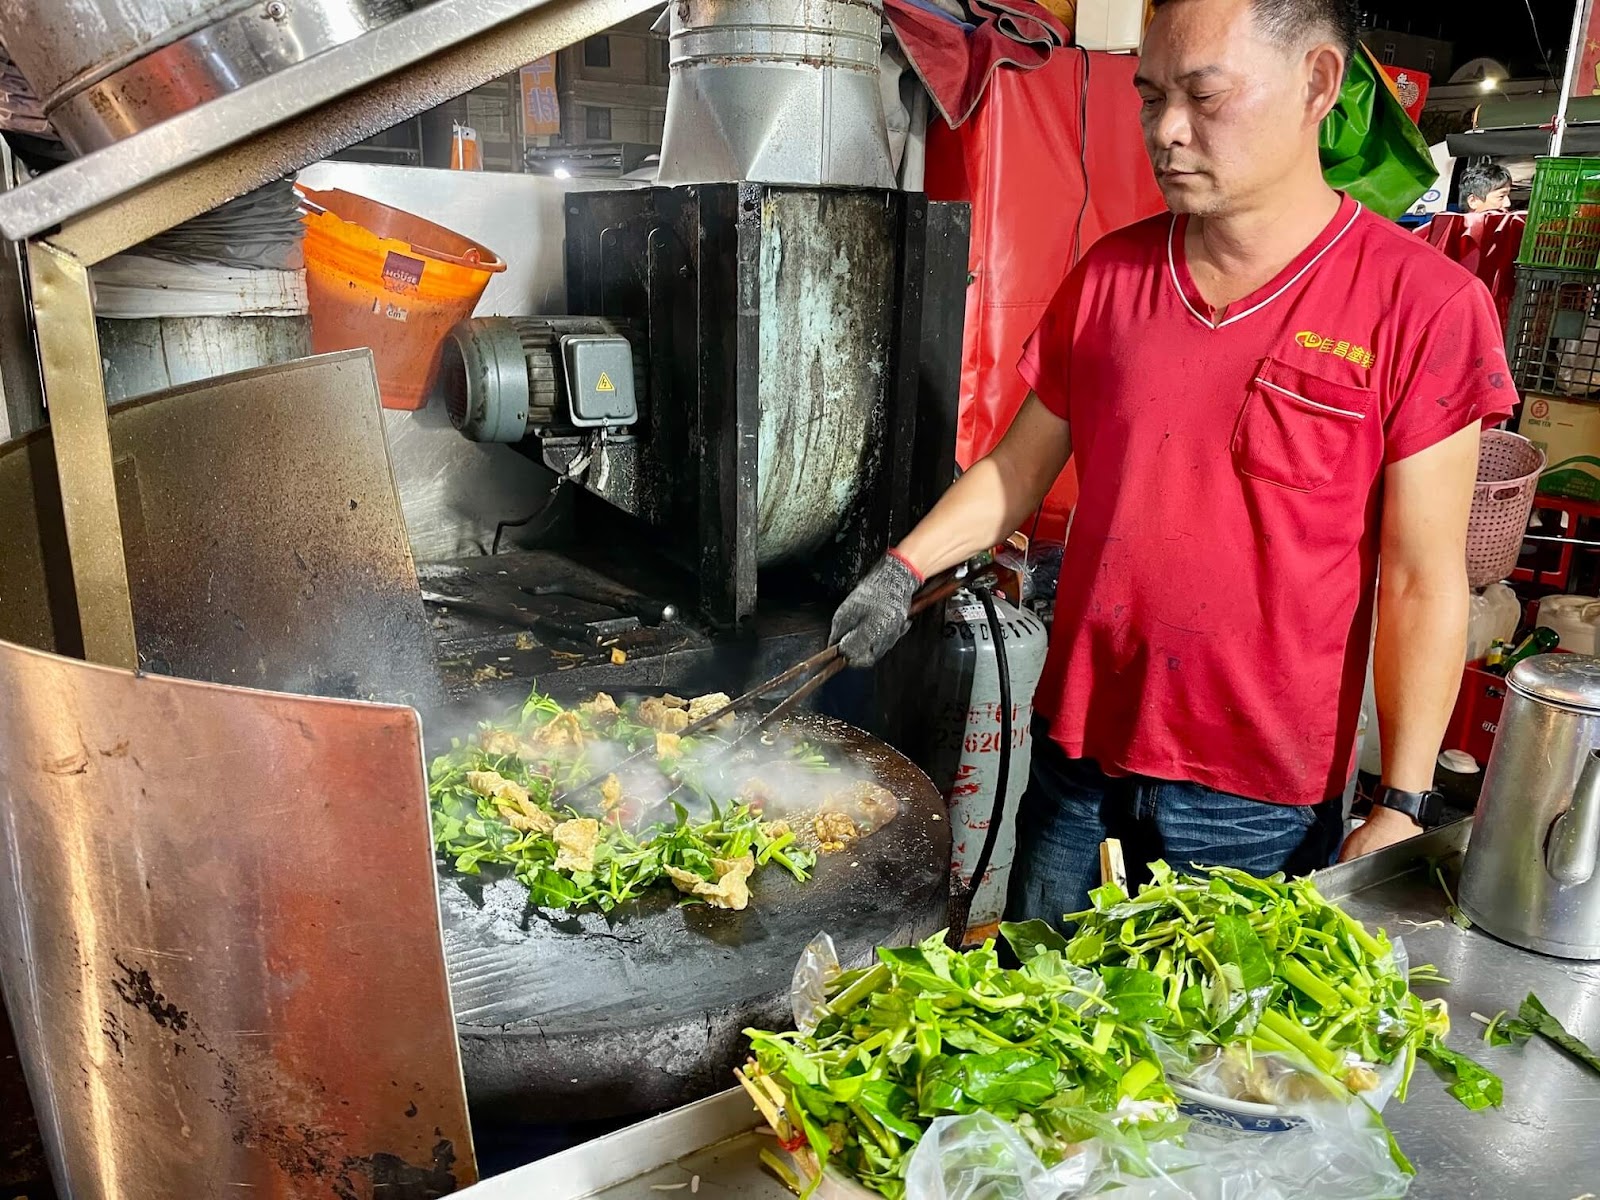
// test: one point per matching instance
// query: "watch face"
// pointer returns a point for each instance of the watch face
(1421, 807)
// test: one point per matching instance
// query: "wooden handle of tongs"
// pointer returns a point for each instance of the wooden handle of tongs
(940, 588)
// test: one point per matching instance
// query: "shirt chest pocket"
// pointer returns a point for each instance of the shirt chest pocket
(1295, 429)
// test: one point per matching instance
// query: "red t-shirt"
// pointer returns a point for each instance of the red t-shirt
(1214, 613)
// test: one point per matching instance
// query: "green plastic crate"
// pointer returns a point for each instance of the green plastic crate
(1563, 229)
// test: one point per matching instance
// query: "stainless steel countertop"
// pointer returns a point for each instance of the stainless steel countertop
(1543, 1145)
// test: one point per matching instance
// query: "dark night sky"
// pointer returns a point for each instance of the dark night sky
(1501, 30)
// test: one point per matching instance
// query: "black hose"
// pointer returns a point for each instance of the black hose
(1003, 772)
(500, 529)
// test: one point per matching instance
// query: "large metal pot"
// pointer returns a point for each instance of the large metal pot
(105, 69)
(1530, 873)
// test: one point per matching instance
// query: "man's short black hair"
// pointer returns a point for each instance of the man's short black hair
(1288, 21)
(1481, 178)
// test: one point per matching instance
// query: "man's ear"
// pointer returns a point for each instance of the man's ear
(1324, 76)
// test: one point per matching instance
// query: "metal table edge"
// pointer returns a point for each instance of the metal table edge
(1370, 870)
(616, 1158)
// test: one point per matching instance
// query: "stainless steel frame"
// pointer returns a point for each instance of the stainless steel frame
(69, 355)
(121, 195)
(185, 1018)
(125, 193)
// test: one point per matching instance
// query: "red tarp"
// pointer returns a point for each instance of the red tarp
(1486, 244)
(1041, 195)
(954, 59)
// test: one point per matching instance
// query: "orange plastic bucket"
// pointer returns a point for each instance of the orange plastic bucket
(383, 278)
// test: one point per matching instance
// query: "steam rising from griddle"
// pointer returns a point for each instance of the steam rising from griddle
(780, 773)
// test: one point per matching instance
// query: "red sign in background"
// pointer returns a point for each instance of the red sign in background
(1412, 88)
(1586, 79)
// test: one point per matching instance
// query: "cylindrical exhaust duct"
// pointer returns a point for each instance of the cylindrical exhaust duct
(776, 91)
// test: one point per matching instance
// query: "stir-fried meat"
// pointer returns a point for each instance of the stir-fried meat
(601, 706)
(511, 801)
(668, 745)
(704, 706)
(658, 715)
(672, 701)
(835, 830)
(731, 888)
(499, 741)
(610, 792)
(527, 817)
(563, 730)
(492, 783)
(576, 840)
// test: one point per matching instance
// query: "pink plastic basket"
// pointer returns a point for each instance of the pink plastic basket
(1508, 473)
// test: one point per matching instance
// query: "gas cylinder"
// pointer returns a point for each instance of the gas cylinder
(966, 739)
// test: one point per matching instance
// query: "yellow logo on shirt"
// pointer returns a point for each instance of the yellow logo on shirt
(1325, 344)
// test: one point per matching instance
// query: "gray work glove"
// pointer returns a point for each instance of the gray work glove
(877, 614)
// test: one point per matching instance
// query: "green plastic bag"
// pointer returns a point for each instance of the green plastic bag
(1370, 147)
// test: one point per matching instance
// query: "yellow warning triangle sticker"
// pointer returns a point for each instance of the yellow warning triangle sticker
(605, 384)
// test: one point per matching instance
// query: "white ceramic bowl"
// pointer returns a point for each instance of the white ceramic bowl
(1227, 1115)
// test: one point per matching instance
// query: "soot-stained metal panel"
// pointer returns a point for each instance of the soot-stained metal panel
(219, 941)
(265, 541)
(827, 287)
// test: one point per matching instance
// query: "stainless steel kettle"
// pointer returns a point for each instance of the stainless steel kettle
(1530, 874)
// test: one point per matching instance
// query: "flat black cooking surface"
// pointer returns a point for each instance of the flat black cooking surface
(566, 1017)
(485, 658)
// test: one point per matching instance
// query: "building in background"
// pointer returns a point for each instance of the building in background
(1416, 50)
(613, 86)
(595, 108)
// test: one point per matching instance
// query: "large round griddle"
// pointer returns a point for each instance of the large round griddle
(567, 1017)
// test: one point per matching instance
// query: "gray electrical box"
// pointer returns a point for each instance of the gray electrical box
(599, 380)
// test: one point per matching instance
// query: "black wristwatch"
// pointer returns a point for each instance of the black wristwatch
(1422, 807)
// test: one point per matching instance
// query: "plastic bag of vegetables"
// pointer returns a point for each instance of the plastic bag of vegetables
(936, 1075)
(1335, 1152)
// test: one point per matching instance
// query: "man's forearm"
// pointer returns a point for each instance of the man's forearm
(996, 496)
(1416, 673)
(976, 513)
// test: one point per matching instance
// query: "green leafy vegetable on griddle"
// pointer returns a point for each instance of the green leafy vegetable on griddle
(493, 801)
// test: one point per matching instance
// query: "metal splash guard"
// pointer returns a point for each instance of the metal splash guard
(219, 939)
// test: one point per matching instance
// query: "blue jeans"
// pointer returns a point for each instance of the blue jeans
(1071, 806)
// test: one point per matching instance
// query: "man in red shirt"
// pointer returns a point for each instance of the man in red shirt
(1266, 389)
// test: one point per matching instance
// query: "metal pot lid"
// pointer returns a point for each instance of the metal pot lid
(1570, 680)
